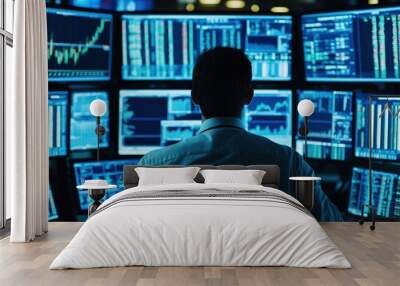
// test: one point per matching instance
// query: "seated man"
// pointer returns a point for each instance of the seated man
(222, 86)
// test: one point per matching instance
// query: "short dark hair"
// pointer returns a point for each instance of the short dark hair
(221, 82)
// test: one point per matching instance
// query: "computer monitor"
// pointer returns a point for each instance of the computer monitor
(52, 214)
(352, 46)
(330, 127)
(118, 5)
(58, 104)
(270, 115)
(79, 45)
(385, 128)
(83, 123)
(111, 171)
(385, 193)
(165, 47)
(150, 119)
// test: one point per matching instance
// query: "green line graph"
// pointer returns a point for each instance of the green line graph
(66, 55)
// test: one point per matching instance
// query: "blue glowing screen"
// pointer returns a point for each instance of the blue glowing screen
(58, 104)
(79, 45)
(57, 2)
(118, 5)
(359, 45)
(330, 127)
(385, 193)
(150, 119)
(83, 123)
(111, 171)
(269, 115)
(165, 47)
(52, 213)
(153, 118)
(385, 127)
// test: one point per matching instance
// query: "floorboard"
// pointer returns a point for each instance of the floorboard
(375, 257)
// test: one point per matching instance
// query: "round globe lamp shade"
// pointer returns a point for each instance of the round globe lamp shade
(98, 107)
(305, 108)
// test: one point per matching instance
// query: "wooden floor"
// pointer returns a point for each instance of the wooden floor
(375, 257)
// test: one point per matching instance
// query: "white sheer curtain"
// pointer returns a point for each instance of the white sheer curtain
(27, 123)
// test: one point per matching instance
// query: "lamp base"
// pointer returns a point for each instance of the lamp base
(305, 193)
(96, 195)
(305, 190)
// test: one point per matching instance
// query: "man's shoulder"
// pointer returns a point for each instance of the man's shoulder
(253, 145)
(168, 155)
(268, 144)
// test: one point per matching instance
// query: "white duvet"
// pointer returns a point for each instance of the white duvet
(200, 231)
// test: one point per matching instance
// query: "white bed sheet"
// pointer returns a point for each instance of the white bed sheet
(200, 232)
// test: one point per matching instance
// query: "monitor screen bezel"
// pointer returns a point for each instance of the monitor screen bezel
(91, 161)
(290, 16)
(361, 93)
(297, 116)
(67, 94)
(146, 150)
(108, 128)
(84, 12)
(338, 80)
(380, 169)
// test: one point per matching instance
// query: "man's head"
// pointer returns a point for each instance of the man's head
(222, 82)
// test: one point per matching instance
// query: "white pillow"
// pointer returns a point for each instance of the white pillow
(248, 177)
(166, 176)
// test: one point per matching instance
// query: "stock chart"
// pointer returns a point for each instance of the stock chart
(330, 127)
(83, 123)
(359, 45)
(385, 193)
(165, 47)
(269, 115)
(150, 119)
(385, 127)
(79, 45)
(111, 171)
(58, 105)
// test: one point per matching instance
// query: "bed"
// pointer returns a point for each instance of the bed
(197, 224)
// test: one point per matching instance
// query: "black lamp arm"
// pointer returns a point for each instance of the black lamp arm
(100, 131)
(303, 131)
(305, 137)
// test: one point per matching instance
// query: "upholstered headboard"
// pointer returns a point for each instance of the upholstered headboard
(271, 177)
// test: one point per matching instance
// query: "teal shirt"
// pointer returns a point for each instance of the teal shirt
(224, 141)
